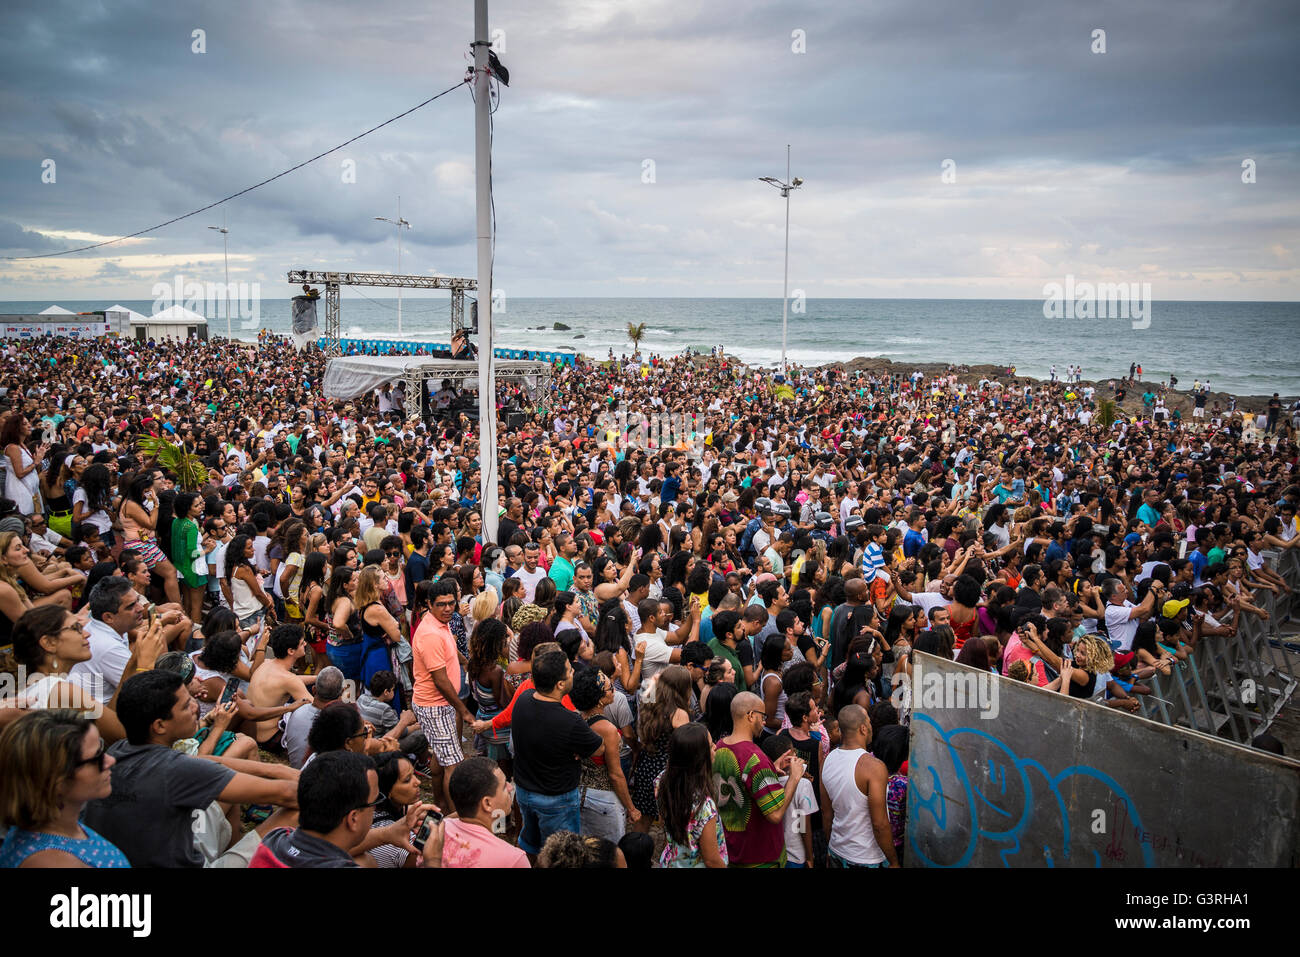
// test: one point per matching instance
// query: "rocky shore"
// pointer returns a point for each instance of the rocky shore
(1177, 398)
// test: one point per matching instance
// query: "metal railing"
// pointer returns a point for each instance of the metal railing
(1234, 685)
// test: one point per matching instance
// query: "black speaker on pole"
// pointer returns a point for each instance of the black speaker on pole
(514, 421)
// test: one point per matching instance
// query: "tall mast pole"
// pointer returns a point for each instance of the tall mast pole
(399, 265)
(487, 410)
(785, 282)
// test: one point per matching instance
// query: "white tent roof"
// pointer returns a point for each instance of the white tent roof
(57, 311)
(131, 313)
(176, 314)
(347, 377)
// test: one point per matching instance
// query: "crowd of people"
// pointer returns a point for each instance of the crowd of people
(250, 625)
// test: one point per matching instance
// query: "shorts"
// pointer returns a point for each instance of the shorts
(439, 725)
(880, 587)
(148, 551)
(834, 860)
(252, 620)
(602, 815)
(223, 743)
(274, 744)
(544, 814)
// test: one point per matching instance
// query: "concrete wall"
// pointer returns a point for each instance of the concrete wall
(1059, 782)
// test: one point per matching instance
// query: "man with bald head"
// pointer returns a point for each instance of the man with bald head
(752, 803)
(854, 813)
(849, 619)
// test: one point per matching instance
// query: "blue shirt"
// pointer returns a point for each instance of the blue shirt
(913, 541)
(1148, 514)
(94, 851)
(1199, 563)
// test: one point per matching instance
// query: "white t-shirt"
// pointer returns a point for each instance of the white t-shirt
(530, 580)
(925, 600)
(658, 655)
(796, 821)
(109, 653)
(260, 545)
(217, 562)
(1120, 626)
(102, 521)
(1147, 569)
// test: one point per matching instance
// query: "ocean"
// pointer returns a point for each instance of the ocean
(1250, 348)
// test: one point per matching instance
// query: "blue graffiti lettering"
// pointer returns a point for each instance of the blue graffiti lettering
(991, 792)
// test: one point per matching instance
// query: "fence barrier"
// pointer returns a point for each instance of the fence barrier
(1233, 685)
(1044, 779)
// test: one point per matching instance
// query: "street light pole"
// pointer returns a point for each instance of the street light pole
(225, 255)
(785, 188)
(487, 393)
(399, 222)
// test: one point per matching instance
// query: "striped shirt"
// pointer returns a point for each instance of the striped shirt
(873, 562)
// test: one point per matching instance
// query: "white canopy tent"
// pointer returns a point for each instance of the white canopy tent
(174, 322)
(119, 319)
(56, 311)
(347, 377)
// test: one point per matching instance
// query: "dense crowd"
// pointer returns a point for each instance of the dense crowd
(245, 624)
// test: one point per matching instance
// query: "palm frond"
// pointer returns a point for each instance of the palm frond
(191, 474)
(1107, 413)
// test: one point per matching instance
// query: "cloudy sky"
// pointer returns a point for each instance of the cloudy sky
(1122, 165)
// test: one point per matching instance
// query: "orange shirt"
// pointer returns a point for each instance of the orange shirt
(432, 647)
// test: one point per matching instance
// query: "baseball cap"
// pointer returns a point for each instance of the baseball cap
(1173, 606)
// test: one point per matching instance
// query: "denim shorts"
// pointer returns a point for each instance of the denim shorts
(544, 814)
(602, 815)
(834, 860)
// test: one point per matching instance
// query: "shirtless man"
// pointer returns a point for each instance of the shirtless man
(274, 683)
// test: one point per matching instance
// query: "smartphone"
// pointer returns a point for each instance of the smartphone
(153, 616)
(426, 829)
(232, 689)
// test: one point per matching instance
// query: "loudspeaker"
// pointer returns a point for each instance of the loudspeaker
(514, 421)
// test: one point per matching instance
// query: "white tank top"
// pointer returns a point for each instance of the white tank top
(244, 601)
(852, 836)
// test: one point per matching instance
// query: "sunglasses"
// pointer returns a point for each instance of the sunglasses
(97, 758)
(372, 804)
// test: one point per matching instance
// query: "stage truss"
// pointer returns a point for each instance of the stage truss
(333, 281)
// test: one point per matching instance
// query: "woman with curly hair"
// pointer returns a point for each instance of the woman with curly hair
(1092, 656)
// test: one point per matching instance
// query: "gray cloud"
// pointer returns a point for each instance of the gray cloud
(1067, 161)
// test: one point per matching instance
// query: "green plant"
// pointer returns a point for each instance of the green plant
(1107, 413)
(191, 474)
(635, 332)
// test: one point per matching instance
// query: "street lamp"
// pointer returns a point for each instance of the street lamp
(224, 255)
(399, 222)
(785, 189)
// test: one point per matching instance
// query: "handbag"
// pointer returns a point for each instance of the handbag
(200, 565)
